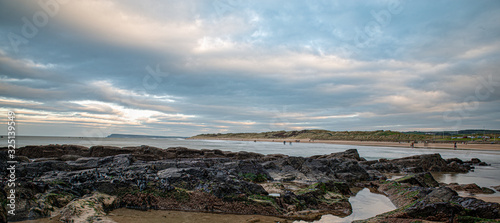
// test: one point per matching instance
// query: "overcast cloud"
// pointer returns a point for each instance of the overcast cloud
(92, 68)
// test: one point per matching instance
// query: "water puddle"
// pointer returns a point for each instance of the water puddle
(364, 205)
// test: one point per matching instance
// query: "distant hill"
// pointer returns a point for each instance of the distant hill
(317, 134)
(379, 135)
(140, 136)
(459, 132)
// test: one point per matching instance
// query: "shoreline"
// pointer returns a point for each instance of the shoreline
(471, 146)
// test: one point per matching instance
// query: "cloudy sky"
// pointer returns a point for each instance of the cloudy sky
(91, 68)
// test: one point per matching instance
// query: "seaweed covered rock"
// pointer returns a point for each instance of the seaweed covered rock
(420, 179)
(3, 202)
(218, 181)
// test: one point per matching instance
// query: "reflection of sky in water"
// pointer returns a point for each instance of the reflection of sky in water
(484, 176)
(364, 205)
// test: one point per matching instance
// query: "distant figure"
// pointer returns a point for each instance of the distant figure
(455, 146)
(284, 142)
(412, 145)
(290, 142)
(255, 141)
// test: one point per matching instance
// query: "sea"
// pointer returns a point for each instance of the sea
(363, 203)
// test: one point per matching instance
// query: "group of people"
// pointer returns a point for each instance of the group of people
(412, 145)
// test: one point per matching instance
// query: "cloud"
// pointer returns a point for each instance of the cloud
(183, 68)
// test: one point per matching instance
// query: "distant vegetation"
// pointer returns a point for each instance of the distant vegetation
(380, 135)
(139, 136)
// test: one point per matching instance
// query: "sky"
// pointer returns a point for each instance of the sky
(181, 68)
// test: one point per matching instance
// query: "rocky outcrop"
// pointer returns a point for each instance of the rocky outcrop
(348, 154)
(430, 163)
(433, 204)
(90, 208)
(497, 188)
(471, 188)
(420, 179)
(54, 177)
(3, 210)
(51, 151)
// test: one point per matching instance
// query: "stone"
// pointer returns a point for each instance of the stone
(217, 181)
(420, 179)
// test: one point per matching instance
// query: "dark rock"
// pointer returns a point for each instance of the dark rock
(248, 155)
(479, 208)
(471, 188)
(441, 194)
(454, 160)
(430, 163)
(337, 187)
(497, 188)
(475, 160)
(348, 154)
(3, 211)
(420, 179)
(52, 151)
(22, 159)
(220, 181)
(103, 151)
(70, 157)
(440, 211)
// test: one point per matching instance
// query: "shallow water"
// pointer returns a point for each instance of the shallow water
(364, 205)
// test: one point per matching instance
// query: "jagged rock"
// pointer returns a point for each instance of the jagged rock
(429, 163)
(497, 188)
(471, 188)
(103, 151)
(52, 151)
(420, 179)
(440, 211)
(479, 208)
(70, 157)
(211, 180)
(441, 194)
(348, 154)
(3, 211)
(88, 209)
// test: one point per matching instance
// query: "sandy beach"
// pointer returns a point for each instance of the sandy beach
(460, 146)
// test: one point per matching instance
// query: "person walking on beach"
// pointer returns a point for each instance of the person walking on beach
(284, 142)
(455, 146)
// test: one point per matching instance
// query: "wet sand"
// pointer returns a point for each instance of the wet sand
(487, 197)
(123, 215)
(469, 146)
